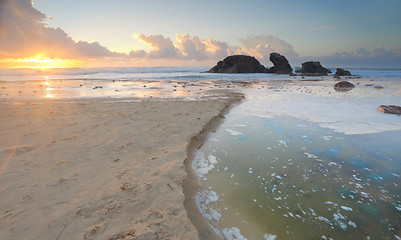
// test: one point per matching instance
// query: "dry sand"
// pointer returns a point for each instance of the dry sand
(98, 169)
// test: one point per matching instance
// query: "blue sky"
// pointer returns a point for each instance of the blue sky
(313, 28)
(202, 32)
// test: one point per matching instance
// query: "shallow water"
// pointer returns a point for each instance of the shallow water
(286, 178)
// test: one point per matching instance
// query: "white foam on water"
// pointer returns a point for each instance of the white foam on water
(201, 165)
(270, 237)
(353, 112)
(309, 155)
(323, 219)
(346, 208)
(282, 142)
(205, 199)
(233, 234)
(233, 132)
(352, 224)
(327, 138)
(342, 225)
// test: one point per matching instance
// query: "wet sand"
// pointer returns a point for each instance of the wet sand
(99, 169)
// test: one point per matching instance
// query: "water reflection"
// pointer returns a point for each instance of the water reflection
(48, 90)
(286, 178)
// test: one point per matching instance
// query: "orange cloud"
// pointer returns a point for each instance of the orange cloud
(23, 34)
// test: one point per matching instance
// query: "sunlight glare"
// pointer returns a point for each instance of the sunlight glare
(42, 62)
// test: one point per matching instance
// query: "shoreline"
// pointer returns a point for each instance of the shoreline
(192, 182)
(81, 170)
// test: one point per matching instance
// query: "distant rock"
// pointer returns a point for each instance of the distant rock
(392, 109)
(342, 72)
(313, 69)
(343, 86)
(238, 64)
(280, 64)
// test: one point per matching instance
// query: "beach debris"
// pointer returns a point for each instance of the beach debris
(312, 68)
(342, 72)
(378, 87)
(125, 186)
(238, 64)
(392, 109)
(281, 65)
(343, 86)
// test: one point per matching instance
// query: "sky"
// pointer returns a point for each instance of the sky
(346, 33)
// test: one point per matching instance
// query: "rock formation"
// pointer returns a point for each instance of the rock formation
(313, 68)
(343, 86)
(390, 109)
(238, 64)
(342, 72)
(281, 65)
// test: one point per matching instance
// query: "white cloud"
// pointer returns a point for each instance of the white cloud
(162, 46)
(261, 46)
(193, 48)
(185, 48)
(23, 33)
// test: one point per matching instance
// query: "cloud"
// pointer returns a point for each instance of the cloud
(376, 58)
(262, 45)
(196, 49)
(187, 47)
(162, 46)
(191, 48)
(23, 33)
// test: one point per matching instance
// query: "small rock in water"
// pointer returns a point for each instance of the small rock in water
(342, 72)
(343, 86)
(392, 109)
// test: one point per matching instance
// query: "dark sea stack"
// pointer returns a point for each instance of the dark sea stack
(280, 64)
(343, 86)
(313, 68)
(238, 64)
(342, 72)
(392, 109)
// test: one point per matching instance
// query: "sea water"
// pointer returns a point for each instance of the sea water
(298, 160)
(286, 178)
(159, 73)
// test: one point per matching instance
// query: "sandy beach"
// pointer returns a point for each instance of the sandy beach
(86, 164)
(98, 169)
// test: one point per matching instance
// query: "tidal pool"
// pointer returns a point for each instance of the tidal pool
(286, 178)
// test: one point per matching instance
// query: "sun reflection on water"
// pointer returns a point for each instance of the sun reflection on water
(48, 90)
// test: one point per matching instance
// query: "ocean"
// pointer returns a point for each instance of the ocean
(158, 73)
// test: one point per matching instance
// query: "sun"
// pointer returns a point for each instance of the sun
(40, 61)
